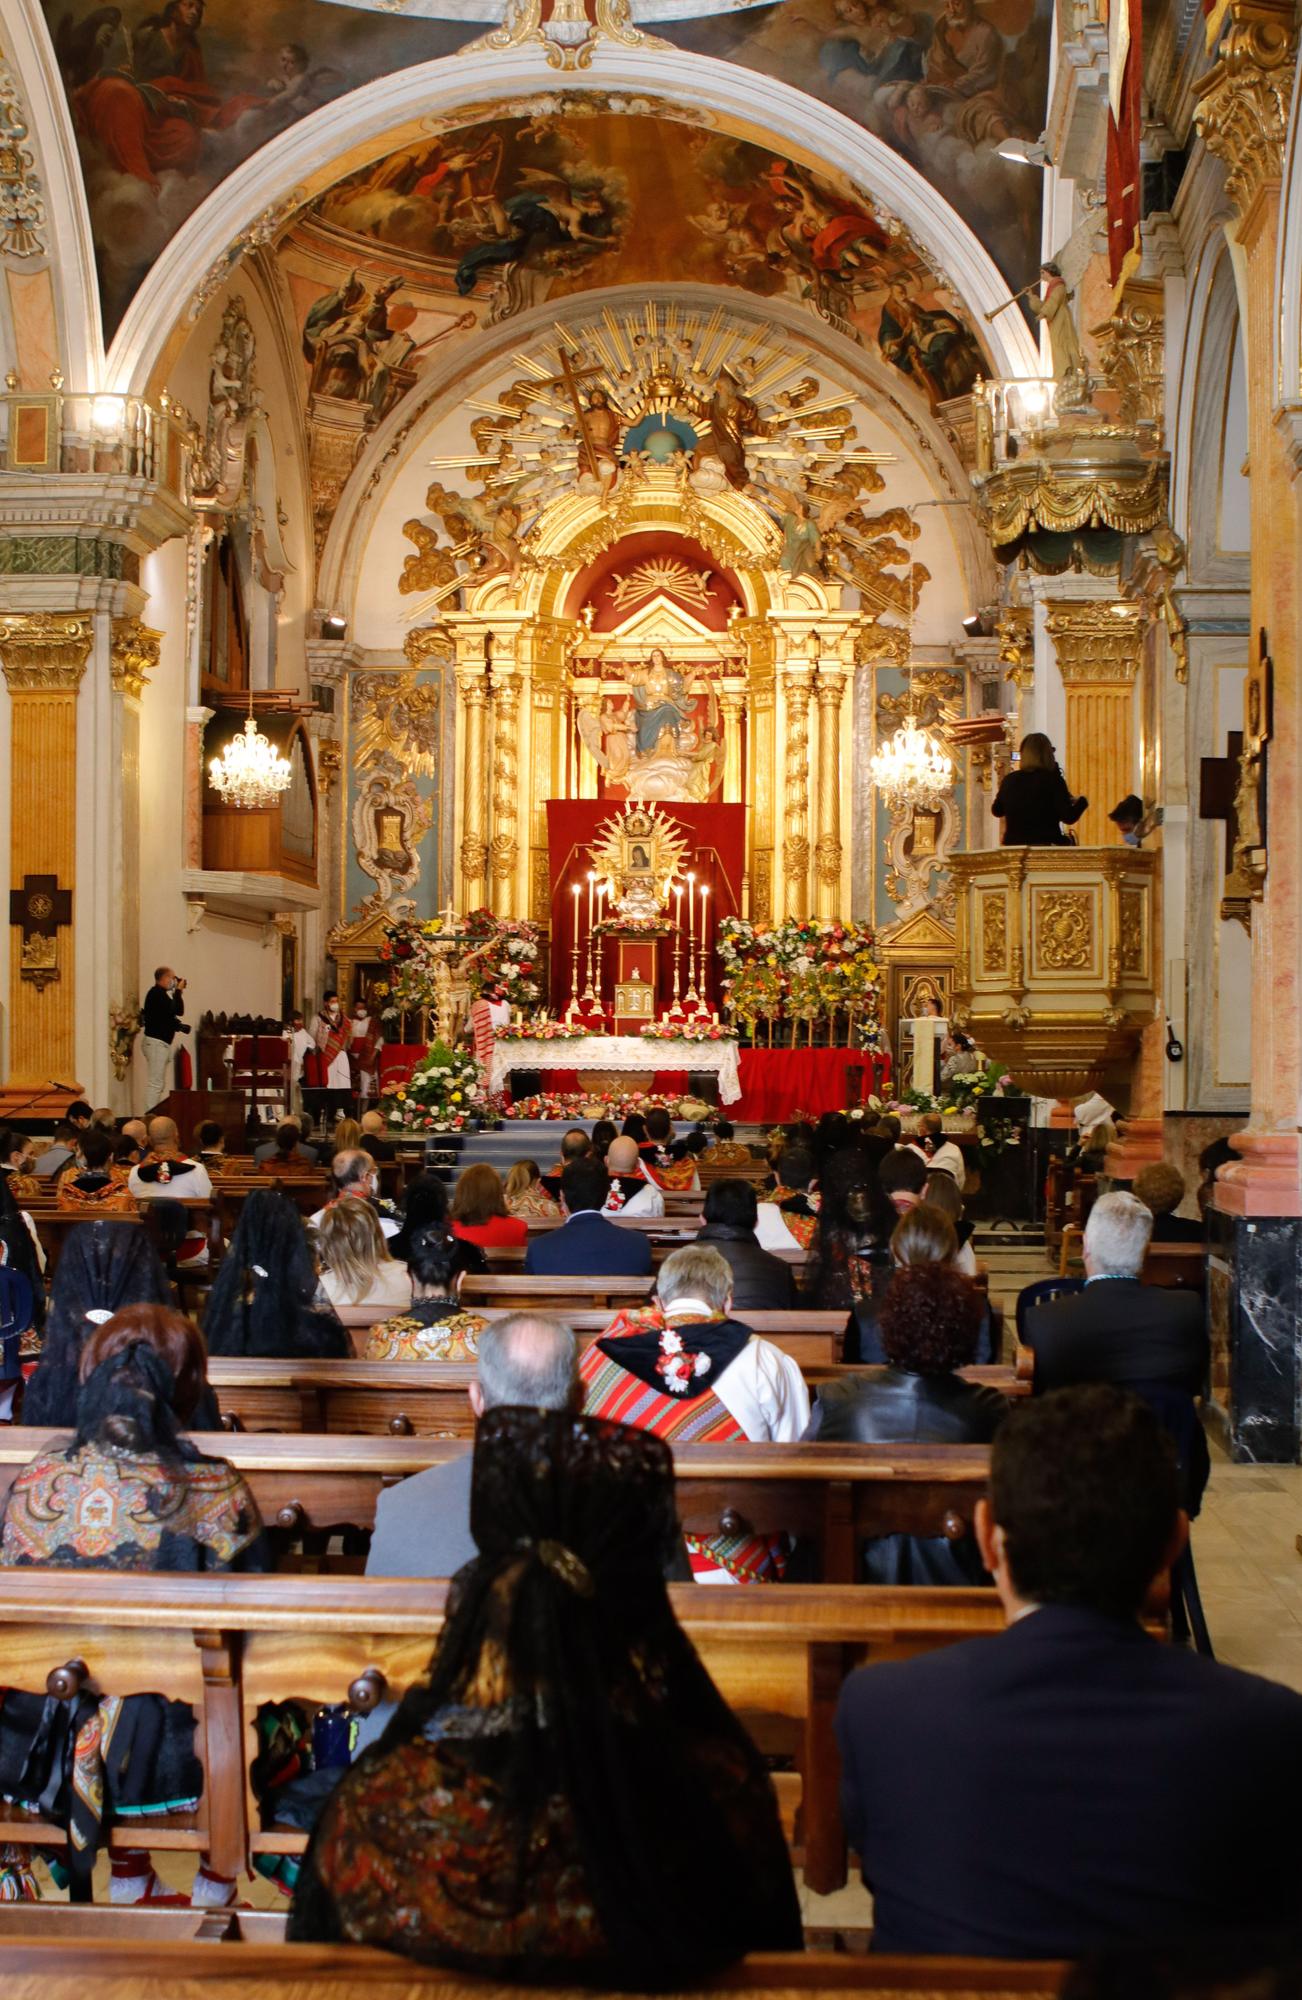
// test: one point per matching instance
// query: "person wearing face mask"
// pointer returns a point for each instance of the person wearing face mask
(332, 1032)
(160, 1019)
(364, 1055)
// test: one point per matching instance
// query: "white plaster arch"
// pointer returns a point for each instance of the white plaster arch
(402, 437)
(1288, 268)
(303, 158)
(1213, 324)
(1202, 283)
(70, 248)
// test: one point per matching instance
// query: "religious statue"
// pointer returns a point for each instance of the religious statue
(220, 461)
(1067, 355)
(657, 747)
(732, 417)
(638, 853)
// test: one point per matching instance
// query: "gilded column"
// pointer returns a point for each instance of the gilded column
(43, 655)
(1243, 117)
(827, 847)
(504, 847)
(1099, 644)
(798, 682)
(472, 690)
(732, 704)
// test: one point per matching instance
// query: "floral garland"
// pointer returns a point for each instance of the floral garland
(442, 1093)
(542, 1031)
(802, 967)
(499, 957)
(572, 1104)
(687, 1031)
(633, 927)
(505, 957)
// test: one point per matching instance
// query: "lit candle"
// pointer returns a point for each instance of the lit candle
(591, 881)
(705, 890)
(678, 905)
(691, 934)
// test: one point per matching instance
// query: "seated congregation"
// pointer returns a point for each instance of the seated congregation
(576, 1762)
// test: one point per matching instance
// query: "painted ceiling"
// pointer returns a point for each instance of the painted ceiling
(507, 213)
(167, 97)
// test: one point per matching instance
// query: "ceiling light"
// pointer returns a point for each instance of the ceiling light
(250, 773)
(1026, 152)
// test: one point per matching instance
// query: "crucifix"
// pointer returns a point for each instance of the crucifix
(569, 380)
(40, 909)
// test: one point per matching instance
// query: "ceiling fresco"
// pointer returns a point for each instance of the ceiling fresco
(167, 97)
(940, 81)
(517, 210)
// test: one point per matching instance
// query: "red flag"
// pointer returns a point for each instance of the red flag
(1125, 84)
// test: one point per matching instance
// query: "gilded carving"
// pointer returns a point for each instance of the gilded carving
(1243, 101)
(1062, 497)
(396, 715)
(1098, 639)
(390, 819)
(1014, 631)
(1131, 931)
(134, 655)
(1132, 349)
(827, 858)
(761, 890)
(994, 933)
(45, 650)
(1064, 930)
(329, 760)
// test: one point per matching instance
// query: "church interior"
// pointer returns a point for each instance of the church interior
(758, 544)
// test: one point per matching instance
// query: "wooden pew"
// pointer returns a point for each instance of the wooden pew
(416, 1398)
(229, 1644)
(515, 1290)
(133, 1950)
(833, 1497)
(1178, 1266)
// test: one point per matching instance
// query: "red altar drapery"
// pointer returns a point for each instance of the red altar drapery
(716, 841)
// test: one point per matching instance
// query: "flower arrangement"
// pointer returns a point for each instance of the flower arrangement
(686, 1031)
(504, 958)
(799, 969)
(633, 927)
(544, 1030)
(617, 1104)
(442, 1093)
(965, 1092)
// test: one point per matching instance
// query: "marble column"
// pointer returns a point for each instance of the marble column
(1243, 116)
(43, 656)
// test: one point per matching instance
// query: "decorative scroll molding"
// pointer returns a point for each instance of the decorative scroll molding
(134, 656)
(1132, 351)
(22, 207)
(572, 33)
(45, 651)
(1243, 101)
(1098, 640)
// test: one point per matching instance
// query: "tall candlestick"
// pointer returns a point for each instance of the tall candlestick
(587, 989)
(678, 939)
(576, 889)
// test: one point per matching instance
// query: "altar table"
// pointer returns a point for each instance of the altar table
(617, 1052)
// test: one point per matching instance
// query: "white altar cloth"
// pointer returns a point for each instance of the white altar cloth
(618, 1052)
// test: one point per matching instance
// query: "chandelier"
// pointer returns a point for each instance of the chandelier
(911, 770)
(250, 771)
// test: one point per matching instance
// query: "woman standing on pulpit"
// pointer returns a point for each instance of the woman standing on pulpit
(1034, 801)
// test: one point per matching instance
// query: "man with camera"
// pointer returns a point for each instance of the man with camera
(161, 1020)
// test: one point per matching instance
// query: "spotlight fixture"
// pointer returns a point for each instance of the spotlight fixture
(975, 626)
(333, 626)
(1026, 152)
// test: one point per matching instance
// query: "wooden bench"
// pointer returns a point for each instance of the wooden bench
(129, 1951)
(420, 1398)
(514, 1290)
(832, 1497)
(229, 1644)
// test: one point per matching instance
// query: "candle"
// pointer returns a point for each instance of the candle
(591, 880)
(678, 905)
(705, 890)
(691, 933)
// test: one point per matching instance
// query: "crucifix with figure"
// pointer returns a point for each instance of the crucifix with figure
(40, 909)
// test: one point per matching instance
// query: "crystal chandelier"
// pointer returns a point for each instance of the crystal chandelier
(250, 771)
(911, 770)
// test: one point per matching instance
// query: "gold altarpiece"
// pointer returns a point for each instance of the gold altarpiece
(526, 670)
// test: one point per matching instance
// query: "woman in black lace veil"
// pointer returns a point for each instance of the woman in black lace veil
(850, 1259)
(569, 1796)
(263, 1297)
(104, 1266)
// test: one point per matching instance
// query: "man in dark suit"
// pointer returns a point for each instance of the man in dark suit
(587, 1245)
(761, 1282)
(1072, 1784)
(1117, 1330)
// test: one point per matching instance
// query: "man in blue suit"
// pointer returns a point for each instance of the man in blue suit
(1072, 1784)
(587, 1245)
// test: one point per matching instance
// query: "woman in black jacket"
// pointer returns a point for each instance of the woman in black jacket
(1033, 801)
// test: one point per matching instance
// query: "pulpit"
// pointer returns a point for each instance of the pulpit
(1056, 970)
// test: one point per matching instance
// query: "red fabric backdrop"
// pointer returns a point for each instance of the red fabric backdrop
(716, 837)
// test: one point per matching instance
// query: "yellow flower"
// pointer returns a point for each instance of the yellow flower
(456, 1097)
(402, 1097)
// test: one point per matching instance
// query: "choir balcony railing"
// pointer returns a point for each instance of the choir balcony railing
(1056, 966)
(70, 431)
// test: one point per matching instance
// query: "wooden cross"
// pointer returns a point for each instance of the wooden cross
(40, 909)
(1218, 782)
